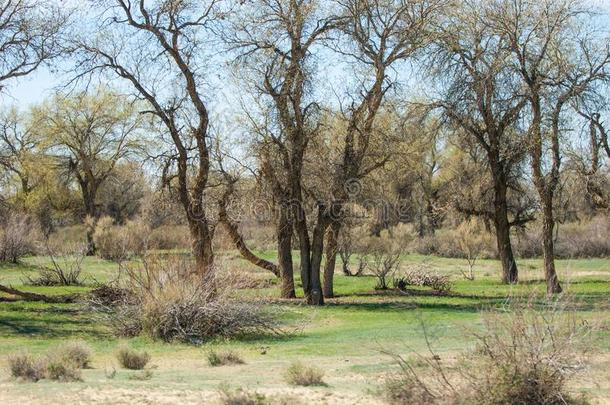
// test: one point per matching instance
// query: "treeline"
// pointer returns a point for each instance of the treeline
(316, 117)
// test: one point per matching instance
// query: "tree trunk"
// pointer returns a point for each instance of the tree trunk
(332, 235)
(510, 273)
(237, 239)
(314, 294)
(284, 250)
(202, 247)
(552, 281)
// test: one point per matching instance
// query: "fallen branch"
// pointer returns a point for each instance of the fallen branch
(30, 296)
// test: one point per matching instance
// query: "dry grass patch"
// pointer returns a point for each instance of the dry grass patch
(26, 367)
(132, 359)
(223, 358)
(305, 376)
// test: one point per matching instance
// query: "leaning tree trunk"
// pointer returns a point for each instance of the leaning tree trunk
(330, 252)
(237, 238)
(548, 225)
(510, 273)
(284, 249)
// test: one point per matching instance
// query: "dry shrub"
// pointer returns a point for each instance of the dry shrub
(453, 243)
(525, 354)
(26, 367)
(241, 397)
(118, 243)
(77, 352)
(61, 368)
(168, 301)
(132, 359)
(19, 234)
(65, 270)
(584, 239)
(223, 358)
(167, 237)
(300, 374)
(423, 276)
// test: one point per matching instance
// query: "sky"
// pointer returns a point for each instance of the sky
(33, 89)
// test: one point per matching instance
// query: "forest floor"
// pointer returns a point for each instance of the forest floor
(347, 338)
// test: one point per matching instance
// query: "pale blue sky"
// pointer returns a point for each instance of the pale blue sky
(34, 88)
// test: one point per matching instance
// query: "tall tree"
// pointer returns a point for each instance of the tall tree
(90, 135)
(481, 94)
(160, 48)
(275, 41)
(30, 35)
(558, 62)
(379, 35)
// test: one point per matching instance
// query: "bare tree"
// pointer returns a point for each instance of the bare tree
(30, 32)
(275, 41)
(89, 135)
(20, 147)
(481, 95)
(160, 48)
(379, 36)
(557, 64)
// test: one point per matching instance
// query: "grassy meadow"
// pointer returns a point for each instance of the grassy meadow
(348, 338)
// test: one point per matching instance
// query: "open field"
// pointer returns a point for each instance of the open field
(345, 338)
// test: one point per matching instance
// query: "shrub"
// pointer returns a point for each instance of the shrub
(241, 397)
(423, 276)
(168, 237)
(223, 358)
(528, 355)
(299, 374)
(132, 359)
(24, 366)
(167, 301)
(117, 243)
(525, 355)
(77, 352)
(65, 270)
(406, 390)
(61, 368)
(18, 236)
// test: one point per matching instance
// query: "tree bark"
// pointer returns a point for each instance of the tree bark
(510, 273)
(332, 235)
(552, 281)
(202, 247)
(284, 249)
(236, 237)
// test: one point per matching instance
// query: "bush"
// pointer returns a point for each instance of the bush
(26, 367)
(299, 374)
(18, 237)
(168, 237)
(525, 355)
(61, 368)
(167, 301)
(241, 397)
(77, 352)
(223, 358)
(423, 276)
(117, 243)
(132, 359)
(65, 270)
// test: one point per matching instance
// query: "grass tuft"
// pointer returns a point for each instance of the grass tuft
(224, 358)
(302, 375)
(132, 359)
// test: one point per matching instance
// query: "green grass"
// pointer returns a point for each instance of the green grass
(346, 336)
